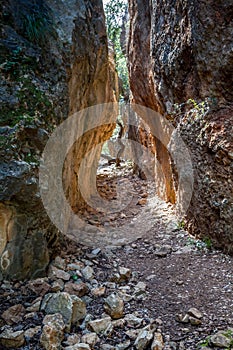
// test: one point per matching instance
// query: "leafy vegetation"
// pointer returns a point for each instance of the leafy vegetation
(14, 64)
(31, 102)
(181, 225)
(196, 110)
(32, 19)
(116, 16)
(204, 343)
(204, 243)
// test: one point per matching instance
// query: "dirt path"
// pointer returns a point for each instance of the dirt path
(166, 272)
(189, 275)
(179, 271)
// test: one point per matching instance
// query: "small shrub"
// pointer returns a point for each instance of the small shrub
(208, 242)
(181, 225)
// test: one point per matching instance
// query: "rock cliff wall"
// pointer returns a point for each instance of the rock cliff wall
(54, 62)
(93, 81)
(181, 51)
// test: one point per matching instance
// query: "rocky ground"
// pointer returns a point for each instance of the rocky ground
(164, 291)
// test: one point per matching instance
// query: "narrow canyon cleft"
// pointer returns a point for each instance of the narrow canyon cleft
(120, 113)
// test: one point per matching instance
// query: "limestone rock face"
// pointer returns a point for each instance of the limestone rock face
(143, 86)
(190, 48)
(92, 81)
(44, 79)
(182, 53)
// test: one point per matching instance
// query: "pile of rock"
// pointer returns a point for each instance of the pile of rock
(63, 306)
(78, 306)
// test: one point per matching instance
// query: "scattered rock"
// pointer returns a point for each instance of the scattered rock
(88, 273)
(14, 314)
(35, 306)
(221, 340)
(80, 346)
(78, 266)
(140, 288)
(179, 282)
(157, 343)
(55, 273)
(57, 286)
(110, 285)
(11, 339)
(163, 251)
(52, 332)
(31, 332)
(115, 277)
(70, 307)
(133, 321)
(124, 273)
(143, 339)
(107, 347)
(72, 340)
(119, 323)
(114, 306)
(195, 313)
(142, 201)
(90, 339)
(193, 316)
(39, 286)
(96, 251)
(194, 321)
(123, 346)
(132, 333)
(126, 297)
(59, 263)
(99, 291)
(79, 289)
(100, 325)
(182, 318)
(150, 277)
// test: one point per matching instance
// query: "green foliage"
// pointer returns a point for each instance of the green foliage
(229, 334)
(205, 243)
(33, 20)
(208, 242)
(32, 102)
(14, 64)
(181, 225)
(204, 342)
(11, 145)
(115, 12)
(197, 110)
(201, 107)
